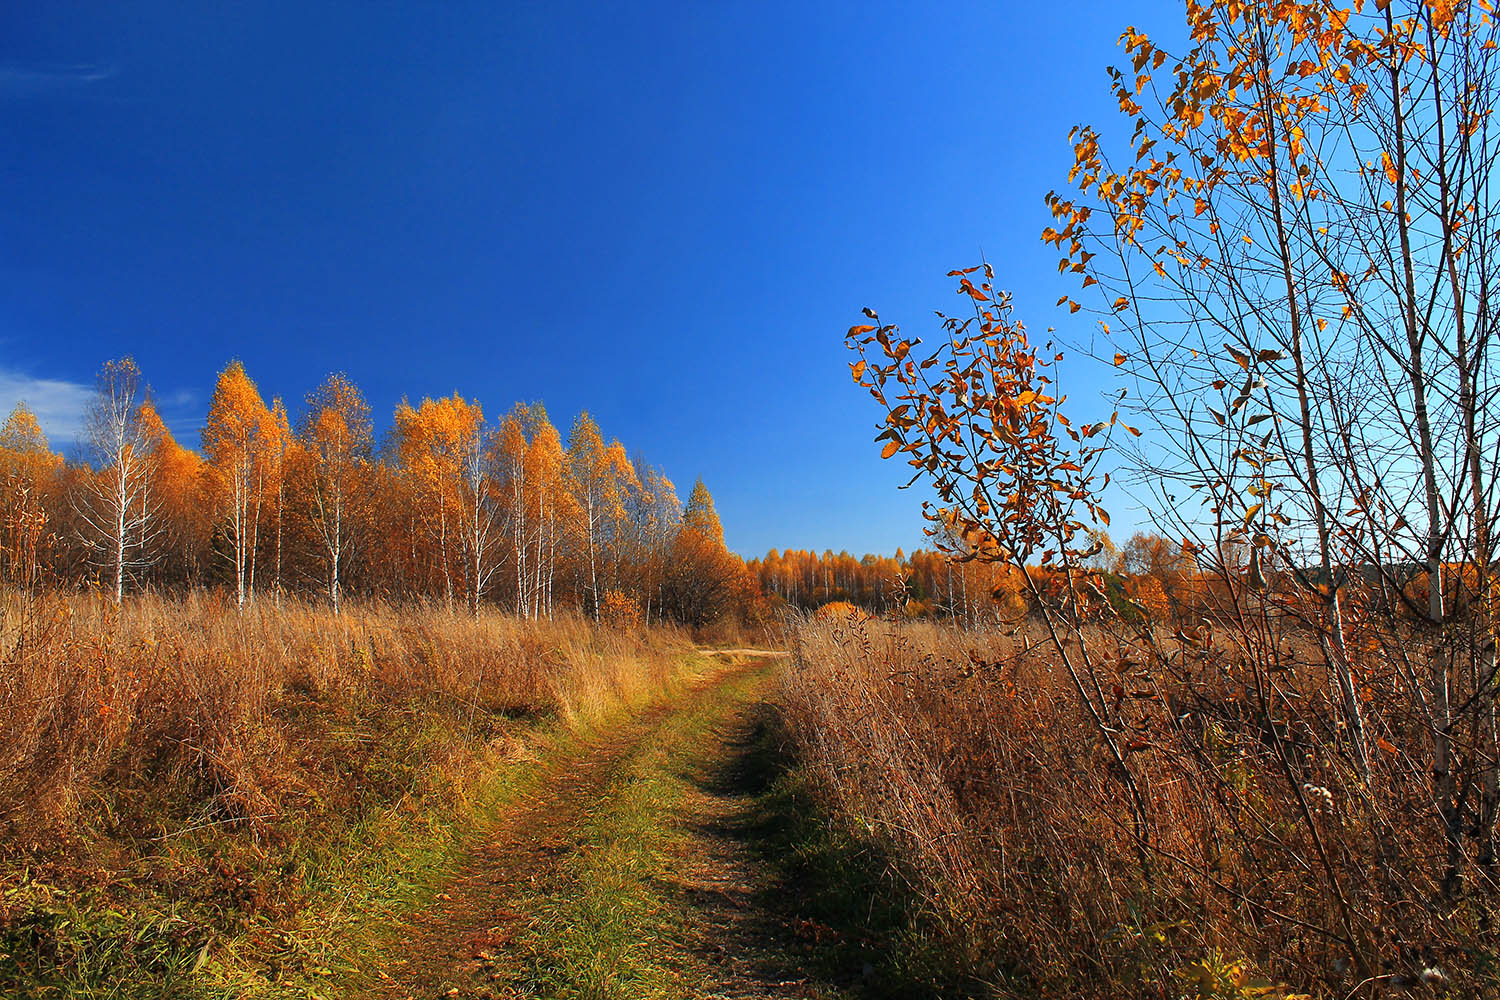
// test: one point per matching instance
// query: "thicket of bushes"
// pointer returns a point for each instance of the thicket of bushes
(1264, 863)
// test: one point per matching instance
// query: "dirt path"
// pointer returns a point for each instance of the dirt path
(631, 871)
(472, 919)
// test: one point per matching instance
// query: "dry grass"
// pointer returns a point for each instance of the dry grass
(221, 706)
(175, 776)
(971, 759)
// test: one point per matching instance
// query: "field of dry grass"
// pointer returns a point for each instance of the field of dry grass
(1263, 865)
(173, 773)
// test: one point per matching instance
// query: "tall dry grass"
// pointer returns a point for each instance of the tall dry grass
(967, 754)
(238, 718)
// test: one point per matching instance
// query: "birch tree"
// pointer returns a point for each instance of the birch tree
(1288, 252)
(554, 501)
(236, 440)
(656, 517)
(337, 438)
(601, 477)
(443, 446)
(511, 452)
(1295, 256)
(116, 504)
(279, 456)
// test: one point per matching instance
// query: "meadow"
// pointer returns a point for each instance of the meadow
(176, 776)
(1261, 863)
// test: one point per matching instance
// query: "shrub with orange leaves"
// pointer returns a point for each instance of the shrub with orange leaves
(842, 612)
(618, 609)
(1148, 593)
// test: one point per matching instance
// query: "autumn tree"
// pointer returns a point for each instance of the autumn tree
(478, 508)
(278, 444)
(512, 450)
(704, 580)
(236, 440)
(601, 478)
(1167, 563)
(24, 451)
(534, 491)
(1290, 258)
(337, 437)
(557, 507)
(116, 504)
(1295, 254)
(443, 445)
(655, 518)
(700, 515)
(428, 443)
(28, 472)
(187, 491)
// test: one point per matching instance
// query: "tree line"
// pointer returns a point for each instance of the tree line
(451, 507)
(1150, 576)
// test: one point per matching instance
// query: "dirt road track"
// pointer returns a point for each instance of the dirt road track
(480, 936)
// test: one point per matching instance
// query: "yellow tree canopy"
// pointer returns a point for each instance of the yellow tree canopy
(433, 439)
(23, 446)
(238, 420)
(700, 515)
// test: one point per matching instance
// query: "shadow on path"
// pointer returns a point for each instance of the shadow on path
(790, 906)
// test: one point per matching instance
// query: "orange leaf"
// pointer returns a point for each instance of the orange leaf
(1390, 168)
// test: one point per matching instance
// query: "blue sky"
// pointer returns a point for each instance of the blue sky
(667, 214)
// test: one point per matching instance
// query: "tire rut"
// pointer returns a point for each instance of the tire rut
(438, 953)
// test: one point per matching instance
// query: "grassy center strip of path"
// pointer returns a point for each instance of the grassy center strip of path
(492, 901)
(618, 913)
(676, 855)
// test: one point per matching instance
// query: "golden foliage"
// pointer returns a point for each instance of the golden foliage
(619, 610)
(840, 611)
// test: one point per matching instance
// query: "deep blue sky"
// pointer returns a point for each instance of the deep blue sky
(666, 214)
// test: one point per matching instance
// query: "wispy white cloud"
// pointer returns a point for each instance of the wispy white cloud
(59, 405)
(30, 80)
(178, 400)
(184, 413)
